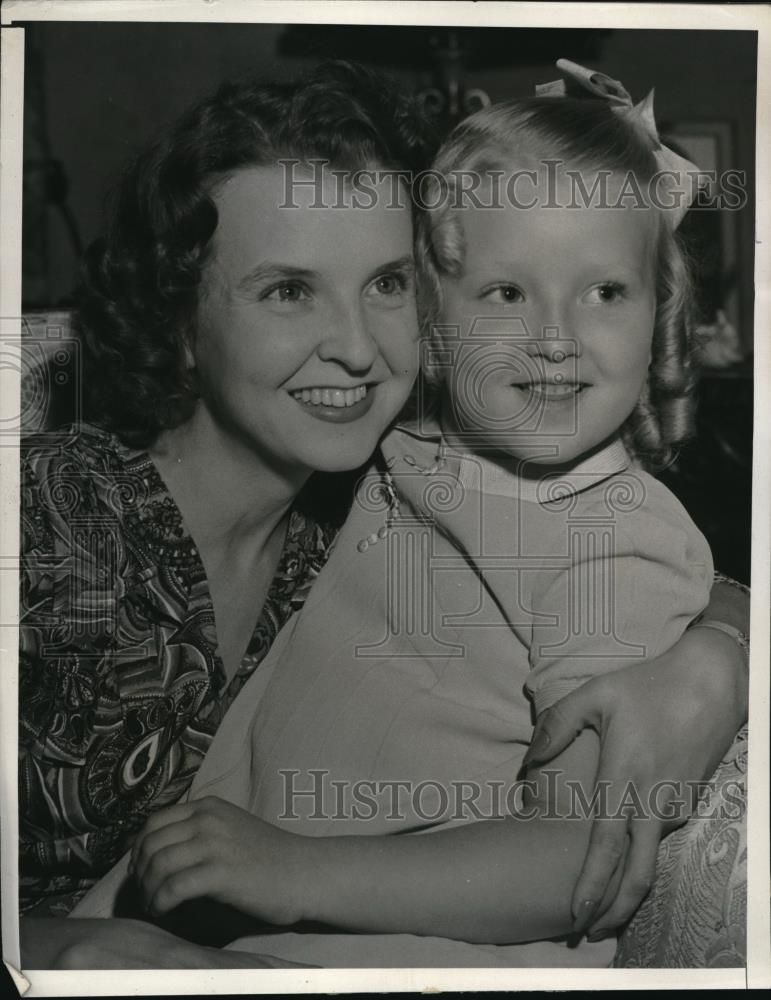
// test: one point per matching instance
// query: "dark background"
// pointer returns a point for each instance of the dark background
(96, 92)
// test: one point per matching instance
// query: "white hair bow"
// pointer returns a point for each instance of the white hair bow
(679, 178)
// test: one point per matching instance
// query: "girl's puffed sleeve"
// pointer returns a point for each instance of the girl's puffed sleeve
(637, 573)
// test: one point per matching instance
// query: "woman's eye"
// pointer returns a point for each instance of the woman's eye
(287, 292)
(504, 294)
(389, 289)
(390, 284)
(610, 291)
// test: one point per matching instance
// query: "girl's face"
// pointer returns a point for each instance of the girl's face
(549, 327)
(305, 342)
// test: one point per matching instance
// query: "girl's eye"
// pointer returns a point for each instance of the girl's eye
(504, 294)
(286, 292)
(609, 291)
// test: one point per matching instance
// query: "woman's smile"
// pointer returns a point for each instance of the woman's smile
(330, 396)
(338, 406)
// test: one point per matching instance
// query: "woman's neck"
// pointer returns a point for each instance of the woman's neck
(230, 496)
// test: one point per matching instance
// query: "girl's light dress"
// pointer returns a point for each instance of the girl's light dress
(456, 599)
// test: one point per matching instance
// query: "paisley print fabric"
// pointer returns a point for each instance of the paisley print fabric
(121, 687)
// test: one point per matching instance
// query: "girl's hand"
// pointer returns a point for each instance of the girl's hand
(209, 847)
(664, 726)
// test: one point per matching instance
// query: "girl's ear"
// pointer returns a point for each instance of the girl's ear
(432, 348)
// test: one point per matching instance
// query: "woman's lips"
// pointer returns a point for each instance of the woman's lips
(330, 395)
(335, 405)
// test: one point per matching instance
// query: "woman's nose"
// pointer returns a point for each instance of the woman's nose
(348, 341)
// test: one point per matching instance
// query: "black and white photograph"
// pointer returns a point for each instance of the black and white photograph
(385, 448)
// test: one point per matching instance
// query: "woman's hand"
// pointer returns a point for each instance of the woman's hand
(664, 726)
(209, 847)
(65, 943)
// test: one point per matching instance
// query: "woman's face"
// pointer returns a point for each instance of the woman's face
(306, 339)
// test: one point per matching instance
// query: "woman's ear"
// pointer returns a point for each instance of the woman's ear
(188, 345)
(190, 363)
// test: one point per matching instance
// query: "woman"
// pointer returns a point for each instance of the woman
(238, 392)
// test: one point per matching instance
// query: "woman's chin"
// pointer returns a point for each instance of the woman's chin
(352, 458)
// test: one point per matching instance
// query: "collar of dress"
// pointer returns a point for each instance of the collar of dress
(411, 446)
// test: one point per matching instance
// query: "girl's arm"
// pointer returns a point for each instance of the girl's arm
(499, 881)
(493, 881)
(671, 719)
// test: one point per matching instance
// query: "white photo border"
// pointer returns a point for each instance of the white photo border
(725, 17)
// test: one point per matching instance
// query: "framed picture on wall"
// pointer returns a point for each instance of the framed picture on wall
(711, 229)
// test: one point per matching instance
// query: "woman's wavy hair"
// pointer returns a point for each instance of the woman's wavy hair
(139, 287)
(580, 133)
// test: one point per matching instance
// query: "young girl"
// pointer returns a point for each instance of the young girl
(513, 547)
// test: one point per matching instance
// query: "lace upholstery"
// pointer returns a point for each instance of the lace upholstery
(696, 913)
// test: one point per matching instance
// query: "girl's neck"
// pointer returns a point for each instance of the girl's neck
(229, 495)
(533, 471)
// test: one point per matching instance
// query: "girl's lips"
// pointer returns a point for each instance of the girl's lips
(551, 391)
(341, 413)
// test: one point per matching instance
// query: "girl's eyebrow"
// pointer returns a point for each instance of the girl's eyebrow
(512, 266)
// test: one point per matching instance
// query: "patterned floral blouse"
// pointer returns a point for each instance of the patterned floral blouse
(121, 685)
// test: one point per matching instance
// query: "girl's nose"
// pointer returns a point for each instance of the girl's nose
(554, 344)
(348, 342)
(559, 349)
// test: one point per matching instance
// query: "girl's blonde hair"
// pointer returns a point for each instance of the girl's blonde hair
(580, 133)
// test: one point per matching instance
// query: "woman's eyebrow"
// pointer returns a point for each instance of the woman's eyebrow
(276, 271)
(405, 264)
(272, 270)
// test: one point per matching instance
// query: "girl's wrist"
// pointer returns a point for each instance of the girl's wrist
(338, 870)
(312, 878)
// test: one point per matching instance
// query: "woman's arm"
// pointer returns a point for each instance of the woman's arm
(62, 943)
(729, 602)
(689, 704)
(494, 881)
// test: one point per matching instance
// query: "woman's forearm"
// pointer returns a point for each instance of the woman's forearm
(729, 603)
(728, 662)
